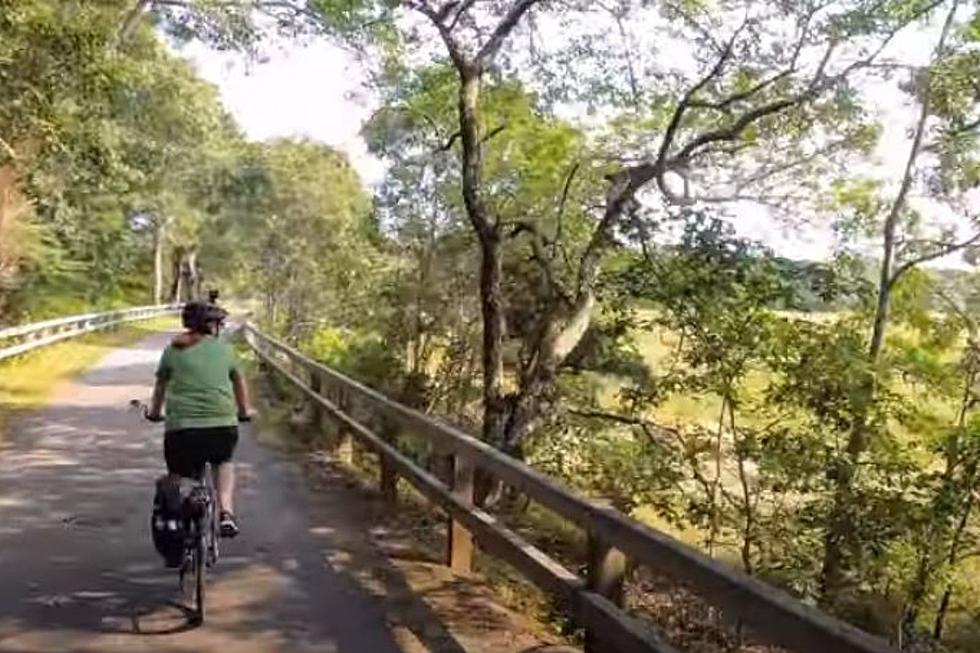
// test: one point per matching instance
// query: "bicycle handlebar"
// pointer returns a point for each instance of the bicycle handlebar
(145, 412)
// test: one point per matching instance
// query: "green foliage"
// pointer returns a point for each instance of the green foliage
(364, 357)
(295, 230)
(102, 139)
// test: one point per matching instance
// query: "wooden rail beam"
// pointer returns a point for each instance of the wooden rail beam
(771, 613)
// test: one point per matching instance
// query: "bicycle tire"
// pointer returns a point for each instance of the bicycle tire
(200, 566)
(213, 537)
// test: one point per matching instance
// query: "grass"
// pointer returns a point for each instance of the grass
(26, 382)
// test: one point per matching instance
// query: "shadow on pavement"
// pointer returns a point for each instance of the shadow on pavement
(79, 572)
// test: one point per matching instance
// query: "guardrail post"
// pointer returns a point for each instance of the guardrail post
(606, 575)
(460, 542)
(389, 481)
(316, 412)
(344, 448)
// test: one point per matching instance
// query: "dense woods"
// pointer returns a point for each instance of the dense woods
(555, 257)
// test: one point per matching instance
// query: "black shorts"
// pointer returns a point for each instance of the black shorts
(187, 450)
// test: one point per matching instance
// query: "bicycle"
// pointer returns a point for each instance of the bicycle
(199, 525)
(201, 538)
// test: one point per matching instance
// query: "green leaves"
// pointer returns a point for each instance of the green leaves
(296, 230)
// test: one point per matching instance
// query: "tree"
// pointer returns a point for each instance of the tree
(100, 139)
(298, 226)
(756, 105)
(903, 249)
(730, 108)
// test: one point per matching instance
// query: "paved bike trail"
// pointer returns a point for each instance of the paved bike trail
(78, 573)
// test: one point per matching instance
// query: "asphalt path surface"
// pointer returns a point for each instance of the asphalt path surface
(78, 572)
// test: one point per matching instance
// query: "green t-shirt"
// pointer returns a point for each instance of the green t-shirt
(199, 390)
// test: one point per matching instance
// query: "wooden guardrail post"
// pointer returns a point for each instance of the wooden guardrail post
(460, 541)
(388, 483)
(316, 414)
(344, 448)
(606, 576)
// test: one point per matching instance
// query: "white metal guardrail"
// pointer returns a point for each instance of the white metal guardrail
(18, 340)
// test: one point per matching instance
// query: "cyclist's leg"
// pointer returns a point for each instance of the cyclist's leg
(224, 480)
(222, 442)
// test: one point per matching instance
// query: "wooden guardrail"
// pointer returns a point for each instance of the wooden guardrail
(18, 340)
(594, 603)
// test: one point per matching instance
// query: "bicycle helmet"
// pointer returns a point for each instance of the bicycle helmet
(199, 316)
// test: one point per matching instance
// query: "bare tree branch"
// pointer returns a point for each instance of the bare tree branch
(459, 59)
(562, 203)
(540, 257)
(463, 7)
(693, 23)
(656, 432)
(6, 147)
(493, 133)
(805, 31)
(682, 106)
(449, 143)
(490, 49)
(724, 104)
(735, 130)
(942, 249)
(889, 37)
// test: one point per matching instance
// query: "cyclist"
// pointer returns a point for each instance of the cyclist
(205, 397)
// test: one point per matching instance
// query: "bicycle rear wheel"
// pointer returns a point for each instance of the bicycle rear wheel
(200, 567)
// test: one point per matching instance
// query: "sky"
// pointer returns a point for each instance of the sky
(311, 90)
(316, 90)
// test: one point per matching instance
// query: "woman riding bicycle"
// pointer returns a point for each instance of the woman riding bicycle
(205, 397)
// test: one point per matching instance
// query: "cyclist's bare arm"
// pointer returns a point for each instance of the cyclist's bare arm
(241, 394)
(156, 403)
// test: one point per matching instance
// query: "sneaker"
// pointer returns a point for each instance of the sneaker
(227, 525)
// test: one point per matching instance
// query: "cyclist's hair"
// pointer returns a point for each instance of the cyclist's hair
(196, 316)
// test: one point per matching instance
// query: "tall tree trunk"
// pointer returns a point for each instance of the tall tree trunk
(158, 243)
(748, 514)
(954, 553)
(495, 408)
(715, 523)
(192, 280)
(563, 330)
(564, 327)
(175, 280)
(839, 539)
